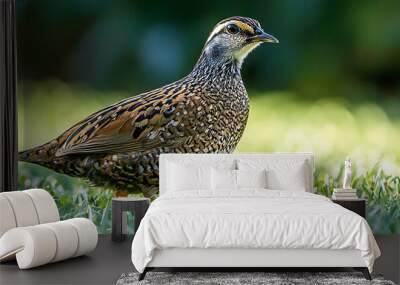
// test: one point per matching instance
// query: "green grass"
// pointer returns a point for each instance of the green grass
(74, 197)
(279, 122)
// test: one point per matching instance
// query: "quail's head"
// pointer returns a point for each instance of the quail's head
(234, 38)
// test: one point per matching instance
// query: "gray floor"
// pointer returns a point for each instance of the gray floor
(111, 259)
(103, 266)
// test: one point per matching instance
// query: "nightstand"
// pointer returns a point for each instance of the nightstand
(136, 205)
(355, 205)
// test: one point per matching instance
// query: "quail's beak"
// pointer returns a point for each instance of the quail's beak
(267, 38)
(261, 36)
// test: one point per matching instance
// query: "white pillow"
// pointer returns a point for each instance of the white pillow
(223, 179)
(291, 179)
(182, 177)
(251, 178)
(227, 179)
(282, 174)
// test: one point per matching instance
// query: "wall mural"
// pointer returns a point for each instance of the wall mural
(204, 112)
(330, 86)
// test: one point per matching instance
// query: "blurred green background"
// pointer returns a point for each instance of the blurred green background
(331, 86)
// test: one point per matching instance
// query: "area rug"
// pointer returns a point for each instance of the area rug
(243, 278)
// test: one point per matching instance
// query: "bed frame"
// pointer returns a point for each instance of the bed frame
(245, 259)
(234, 259)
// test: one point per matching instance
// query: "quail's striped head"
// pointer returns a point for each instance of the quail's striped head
(234, 38)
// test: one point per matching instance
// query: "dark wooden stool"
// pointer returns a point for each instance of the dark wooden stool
(137, 206)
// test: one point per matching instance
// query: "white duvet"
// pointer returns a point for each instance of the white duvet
(250, 219)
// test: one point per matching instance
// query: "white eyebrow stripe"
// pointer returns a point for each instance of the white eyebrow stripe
(218, 28)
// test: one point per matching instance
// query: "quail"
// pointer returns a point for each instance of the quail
(204, 112)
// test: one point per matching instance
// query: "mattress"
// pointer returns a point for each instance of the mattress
(250, 219)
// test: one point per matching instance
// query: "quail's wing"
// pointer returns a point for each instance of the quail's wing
(136, 124)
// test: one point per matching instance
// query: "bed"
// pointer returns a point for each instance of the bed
(245, 211)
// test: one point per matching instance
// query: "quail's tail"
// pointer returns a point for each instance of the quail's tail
(40, 155)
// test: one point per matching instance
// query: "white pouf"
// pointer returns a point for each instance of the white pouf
(31, 232)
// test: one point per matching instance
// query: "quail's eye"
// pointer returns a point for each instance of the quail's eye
(232, 29)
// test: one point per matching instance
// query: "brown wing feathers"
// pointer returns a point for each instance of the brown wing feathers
(128, 126)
